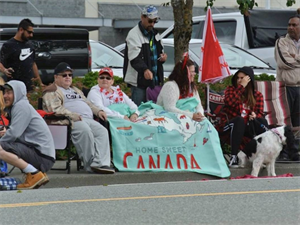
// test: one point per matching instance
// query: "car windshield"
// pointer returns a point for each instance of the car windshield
(234, 56)
(103, 56)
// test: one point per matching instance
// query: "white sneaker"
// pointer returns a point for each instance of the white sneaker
(234, 161)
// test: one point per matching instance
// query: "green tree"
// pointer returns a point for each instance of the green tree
(183, 11)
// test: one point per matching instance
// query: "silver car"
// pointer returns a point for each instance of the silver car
(104, 55)
(234, 56)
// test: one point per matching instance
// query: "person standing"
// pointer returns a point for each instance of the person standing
(144, 56)
(287, 56)
(27, 143)
(17, 56)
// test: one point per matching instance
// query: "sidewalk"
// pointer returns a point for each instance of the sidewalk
(60, 179)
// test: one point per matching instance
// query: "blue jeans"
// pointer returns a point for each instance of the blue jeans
(138, 95)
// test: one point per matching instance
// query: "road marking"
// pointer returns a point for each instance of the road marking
(14, 205)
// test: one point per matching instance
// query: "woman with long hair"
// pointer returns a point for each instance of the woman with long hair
(181, 86)
(244, 109)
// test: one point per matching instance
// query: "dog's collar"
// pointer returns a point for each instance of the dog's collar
(275, 131)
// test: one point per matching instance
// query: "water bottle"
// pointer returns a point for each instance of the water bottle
(3, 167)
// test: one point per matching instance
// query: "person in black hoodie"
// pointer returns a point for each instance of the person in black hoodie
(244, 107)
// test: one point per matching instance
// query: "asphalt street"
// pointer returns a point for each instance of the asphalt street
(252, 201)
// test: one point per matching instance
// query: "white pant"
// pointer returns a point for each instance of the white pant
(91, 141)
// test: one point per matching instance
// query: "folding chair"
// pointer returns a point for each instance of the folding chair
(216, 104)
(275, 102)
(62, 137)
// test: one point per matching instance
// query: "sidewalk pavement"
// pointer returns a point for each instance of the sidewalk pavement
(60, 178)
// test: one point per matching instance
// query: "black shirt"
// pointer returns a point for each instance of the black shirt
(19, 56)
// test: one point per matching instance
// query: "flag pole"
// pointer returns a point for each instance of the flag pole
(207, 98)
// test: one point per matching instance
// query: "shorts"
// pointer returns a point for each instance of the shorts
(29, 155)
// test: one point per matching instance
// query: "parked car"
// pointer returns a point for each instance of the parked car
(234, 56)
(256, 33)
(104, 55)
(55, 45)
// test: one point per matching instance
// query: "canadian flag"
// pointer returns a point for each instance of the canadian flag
(212, 67)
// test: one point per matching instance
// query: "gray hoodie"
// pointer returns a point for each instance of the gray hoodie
(26, 125)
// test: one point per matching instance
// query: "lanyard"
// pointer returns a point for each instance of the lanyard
(151, 43)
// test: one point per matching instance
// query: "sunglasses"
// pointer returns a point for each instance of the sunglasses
(66, 75)
(152, 21)
(29, 31)
(107, 78)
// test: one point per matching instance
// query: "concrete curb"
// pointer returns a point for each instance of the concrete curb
(60, 179)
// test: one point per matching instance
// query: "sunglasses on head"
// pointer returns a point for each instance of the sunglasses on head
(66, 75)
(107, 78)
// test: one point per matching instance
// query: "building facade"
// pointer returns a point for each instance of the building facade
(107, 20)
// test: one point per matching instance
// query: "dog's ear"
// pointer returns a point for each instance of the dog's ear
(259, 139)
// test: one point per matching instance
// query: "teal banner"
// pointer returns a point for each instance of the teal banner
(164, 141)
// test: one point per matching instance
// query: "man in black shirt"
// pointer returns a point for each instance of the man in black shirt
(17, 56)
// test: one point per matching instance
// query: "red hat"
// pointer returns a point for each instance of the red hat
(106, 70)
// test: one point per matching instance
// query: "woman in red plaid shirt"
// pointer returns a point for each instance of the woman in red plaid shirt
(244, 107)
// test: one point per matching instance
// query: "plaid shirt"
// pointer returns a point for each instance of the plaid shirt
(234, 106)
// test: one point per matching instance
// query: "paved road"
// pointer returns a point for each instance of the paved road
(255, 201)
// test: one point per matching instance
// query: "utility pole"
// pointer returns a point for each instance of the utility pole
(268, 4)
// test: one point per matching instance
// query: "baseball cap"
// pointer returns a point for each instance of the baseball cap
(62, 67)
(150, 11)
(5, 86)
(106, 70)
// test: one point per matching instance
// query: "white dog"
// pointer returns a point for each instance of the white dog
(265, 148)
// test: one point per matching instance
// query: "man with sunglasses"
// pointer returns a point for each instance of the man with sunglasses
(89, 137)
(144, 56)
(17, 56)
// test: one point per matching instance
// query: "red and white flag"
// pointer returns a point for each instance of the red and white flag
(213, 66)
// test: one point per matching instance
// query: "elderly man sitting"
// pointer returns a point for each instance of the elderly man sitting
(89, 137)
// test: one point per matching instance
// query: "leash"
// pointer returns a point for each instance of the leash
(273, 130)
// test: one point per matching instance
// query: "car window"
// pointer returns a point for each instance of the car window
(103, 56)
(225, 31)
(195, 31)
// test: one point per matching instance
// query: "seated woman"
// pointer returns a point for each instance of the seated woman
(180, 86)
(244, 107)
(172, 135)
(106, 96)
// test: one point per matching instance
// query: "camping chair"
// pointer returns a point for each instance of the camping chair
(62, 137)
(276, 107)
(275, 102)
(216, 104)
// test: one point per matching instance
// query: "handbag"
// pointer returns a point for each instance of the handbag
(152, 92)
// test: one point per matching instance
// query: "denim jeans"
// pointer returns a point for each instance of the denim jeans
(138, 95)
